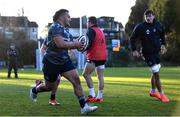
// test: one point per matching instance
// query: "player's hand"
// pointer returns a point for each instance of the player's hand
(136, 53)
(163, 49)
(78, 44)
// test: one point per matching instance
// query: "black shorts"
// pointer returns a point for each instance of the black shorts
(52, 71)
(152, 59)
(97, 62)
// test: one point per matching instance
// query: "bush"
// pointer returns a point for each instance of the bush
(118, 59)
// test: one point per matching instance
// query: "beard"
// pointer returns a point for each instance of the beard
(67, 24)
(149, 21)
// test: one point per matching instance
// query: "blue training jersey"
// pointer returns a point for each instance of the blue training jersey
(54, 54)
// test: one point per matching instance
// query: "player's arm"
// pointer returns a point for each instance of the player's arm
(60, 43)
(91, 34)
(44, 46)
(133, 38)
(43, 49)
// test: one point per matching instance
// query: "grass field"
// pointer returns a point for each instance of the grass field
(126, 93)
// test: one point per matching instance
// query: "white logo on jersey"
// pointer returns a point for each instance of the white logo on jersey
(148, 31)
(154, 30)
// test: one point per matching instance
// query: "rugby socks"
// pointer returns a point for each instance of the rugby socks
(82, 101)
(153, 90)
(100, 94)
(92, 92)
(53, 97)
(34, 90)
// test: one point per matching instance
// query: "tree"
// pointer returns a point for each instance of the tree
(26, 50)
(136, 15)
(159, 7)
(167, 11)
(20, 35)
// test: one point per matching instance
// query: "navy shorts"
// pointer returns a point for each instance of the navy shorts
(97, 62)
(152, 59)
(52, 71)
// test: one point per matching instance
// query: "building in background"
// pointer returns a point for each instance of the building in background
(15, 26)
(113, 31)
(74, 28)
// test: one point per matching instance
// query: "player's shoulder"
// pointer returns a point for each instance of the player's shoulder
(56, 25)
(159, 24)
(139, 26)
(56, 28)
(90, 30)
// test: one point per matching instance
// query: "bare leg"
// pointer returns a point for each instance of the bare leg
(73, 77)
(89, 68)
(48, 86)
(100, 74)
(157, 81)
(54, 90)
(153, 83)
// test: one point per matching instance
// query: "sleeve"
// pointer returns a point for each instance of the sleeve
(71, 37)
(45, 42)
(134, 37)
(162, 35)
(57, 31)
(91, 34)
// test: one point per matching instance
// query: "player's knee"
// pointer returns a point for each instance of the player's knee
(49, 87)
(155, 68)
(76, 85)
(102, 67)
(159, 65)
(101, 77)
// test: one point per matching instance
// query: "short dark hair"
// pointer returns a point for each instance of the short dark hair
(148, 11)
(59, 13)
(92, 19)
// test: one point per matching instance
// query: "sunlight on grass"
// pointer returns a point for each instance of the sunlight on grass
(24, 75)
(33, 77)
(125, 93)
(131, 79)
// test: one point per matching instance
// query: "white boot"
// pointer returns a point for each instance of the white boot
(87, 109)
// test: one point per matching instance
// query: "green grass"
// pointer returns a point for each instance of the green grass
(126, 93)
